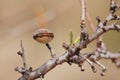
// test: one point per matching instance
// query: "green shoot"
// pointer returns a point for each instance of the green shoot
(71, 38)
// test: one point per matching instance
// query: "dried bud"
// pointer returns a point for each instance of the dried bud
(43, 35)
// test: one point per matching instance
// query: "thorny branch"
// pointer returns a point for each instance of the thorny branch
(73, 54)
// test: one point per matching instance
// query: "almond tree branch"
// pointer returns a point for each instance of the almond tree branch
(52, 63)
(73, 55)
(113, 8)
(101, 52)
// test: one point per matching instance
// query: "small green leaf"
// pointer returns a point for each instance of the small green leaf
(77, 40)
(71, 38)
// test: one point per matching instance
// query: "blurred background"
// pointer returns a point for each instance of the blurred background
(20, 18)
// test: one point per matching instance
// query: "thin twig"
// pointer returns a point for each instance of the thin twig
(23, 56)
(83, 10)
(84, 35)
(21, 53)
(90, 23)
(51, 50)
(89, 20)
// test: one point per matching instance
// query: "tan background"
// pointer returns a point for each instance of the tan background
(18, 21)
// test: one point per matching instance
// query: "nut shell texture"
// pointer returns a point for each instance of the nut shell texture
(43, 35)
